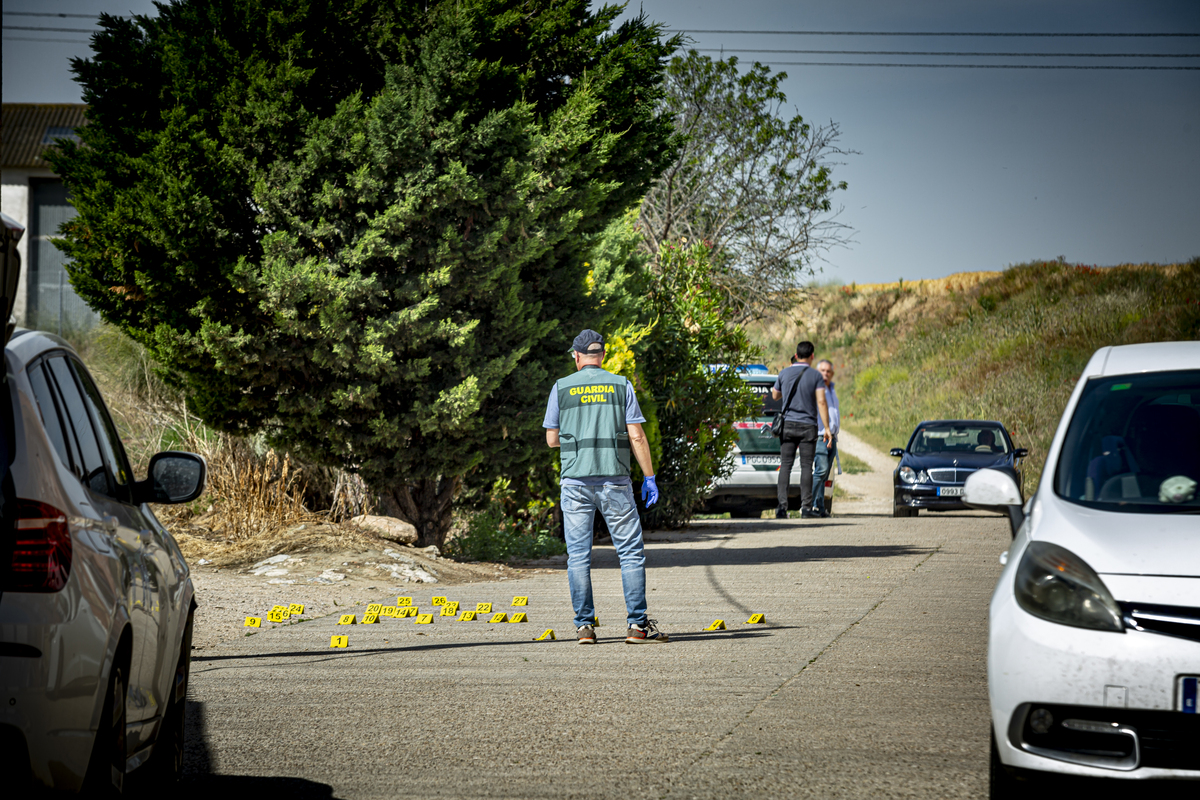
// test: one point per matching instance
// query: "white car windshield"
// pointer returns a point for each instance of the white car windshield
(969, 438)
(1134, 444)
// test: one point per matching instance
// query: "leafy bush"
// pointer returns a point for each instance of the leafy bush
(490, 536)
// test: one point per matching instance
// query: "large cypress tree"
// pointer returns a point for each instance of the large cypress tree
(361, 226)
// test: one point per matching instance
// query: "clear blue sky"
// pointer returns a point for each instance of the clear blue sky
(960, 169)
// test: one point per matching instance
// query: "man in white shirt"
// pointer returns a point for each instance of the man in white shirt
(826, 452)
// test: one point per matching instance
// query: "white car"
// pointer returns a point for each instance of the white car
(1094, 627)
(96, 610)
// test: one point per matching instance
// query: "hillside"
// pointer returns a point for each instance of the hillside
(1004, 345)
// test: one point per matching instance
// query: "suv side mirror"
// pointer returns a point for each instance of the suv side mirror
(897, 451)
(174, 477)
(1021, 452)
(995, 490)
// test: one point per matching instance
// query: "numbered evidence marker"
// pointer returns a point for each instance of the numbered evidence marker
(438, 601)
(520, 601)
(468, 616)
(339, 641)
(276, 616)
(483, 608)
(549, 634)
(388, 611)
(347, 619)
(718, 625)
(296, 609)
(370, 619)
(408, 611)
(757, 619)
(375, 608)
(450, 610)
(424, 619)
(404, 601)
(282, 610)
(253, 622)
(499, 616)
(519, 617)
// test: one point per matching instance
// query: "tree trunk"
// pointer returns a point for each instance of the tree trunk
(427, 505)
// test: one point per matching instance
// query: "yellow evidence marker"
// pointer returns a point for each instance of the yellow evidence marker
(253, 622)
(483, 608)
(756, 619)
(347, 619)
(520, 601)
(468, 616)
(339, 641)
(296, 608)
(283, 609)
(375, 608)
(424, 619)
(411, 611)
(519, 617)
(450, 610)
(388, 611)
(404, 601)
(370, 619)
(549, 634)
(438, 601)
(718, 625)
(499, 616)
(276, 616)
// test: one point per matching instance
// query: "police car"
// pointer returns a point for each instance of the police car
(750, 488)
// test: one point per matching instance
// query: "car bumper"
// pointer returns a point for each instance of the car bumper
(1130, 679)
(920, 496)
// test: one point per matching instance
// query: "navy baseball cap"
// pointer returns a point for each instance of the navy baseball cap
(587, 341)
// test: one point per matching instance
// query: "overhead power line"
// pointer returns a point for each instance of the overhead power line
(35, 39)
(936, 33)
(970, 66)
(945, 53)
(46, 14)
(54, 30)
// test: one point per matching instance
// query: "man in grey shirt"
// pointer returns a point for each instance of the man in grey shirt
(807, 406)
(826, 453)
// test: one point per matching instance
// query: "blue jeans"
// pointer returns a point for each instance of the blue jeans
(822, 463)
(615, 503)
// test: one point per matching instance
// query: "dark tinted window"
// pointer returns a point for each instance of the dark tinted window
(91, 469)
(49, 411)
(106, 432)
(762, 390)
(1134, 444)
(965, 438)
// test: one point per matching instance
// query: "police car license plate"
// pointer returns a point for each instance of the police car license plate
(950, 491)
(771, 461)
(1189, 687)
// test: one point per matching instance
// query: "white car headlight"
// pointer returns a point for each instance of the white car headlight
(907, 475)
(1055, 584)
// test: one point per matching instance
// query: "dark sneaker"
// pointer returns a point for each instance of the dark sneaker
(587, 635)
(808, 513)
(780, 514)
(646, 633)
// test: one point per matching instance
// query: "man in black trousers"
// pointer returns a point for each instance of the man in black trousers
(803, 392)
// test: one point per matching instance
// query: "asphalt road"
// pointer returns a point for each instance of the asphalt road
(868, 679)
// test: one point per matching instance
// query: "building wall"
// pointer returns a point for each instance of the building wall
(14, 201)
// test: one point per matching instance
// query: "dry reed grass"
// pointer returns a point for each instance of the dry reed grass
(258, 501)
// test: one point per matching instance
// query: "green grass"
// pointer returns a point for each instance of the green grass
(852, 465)
(1009, 349)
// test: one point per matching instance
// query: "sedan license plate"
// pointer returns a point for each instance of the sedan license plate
(950, 491)
(768, 461)
(1189, 686)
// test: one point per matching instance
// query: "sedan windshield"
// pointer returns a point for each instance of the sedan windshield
(950, 438)
(1134, 444)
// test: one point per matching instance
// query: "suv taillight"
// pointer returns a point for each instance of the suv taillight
(41, 558)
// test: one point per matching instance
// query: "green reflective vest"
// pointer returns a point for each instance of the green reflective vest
(591, 424)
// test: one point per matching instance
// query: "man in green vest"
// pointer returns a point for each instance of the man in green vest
(594, 419)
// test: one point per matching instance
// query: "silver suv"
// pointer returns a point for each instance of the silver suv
(96, 605)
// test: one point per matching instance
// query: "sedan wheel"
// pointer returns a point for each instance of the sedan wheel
(166, 762)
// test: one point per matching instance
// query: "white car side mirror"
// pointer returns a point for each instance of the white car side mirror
(995, 490)
(990, 487)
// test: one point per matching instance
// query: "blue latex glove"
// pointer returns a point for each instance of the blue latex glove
(649, 491)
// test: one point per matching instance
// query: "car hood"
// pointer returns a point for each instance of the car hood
(1120, 544)
(965, 460)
